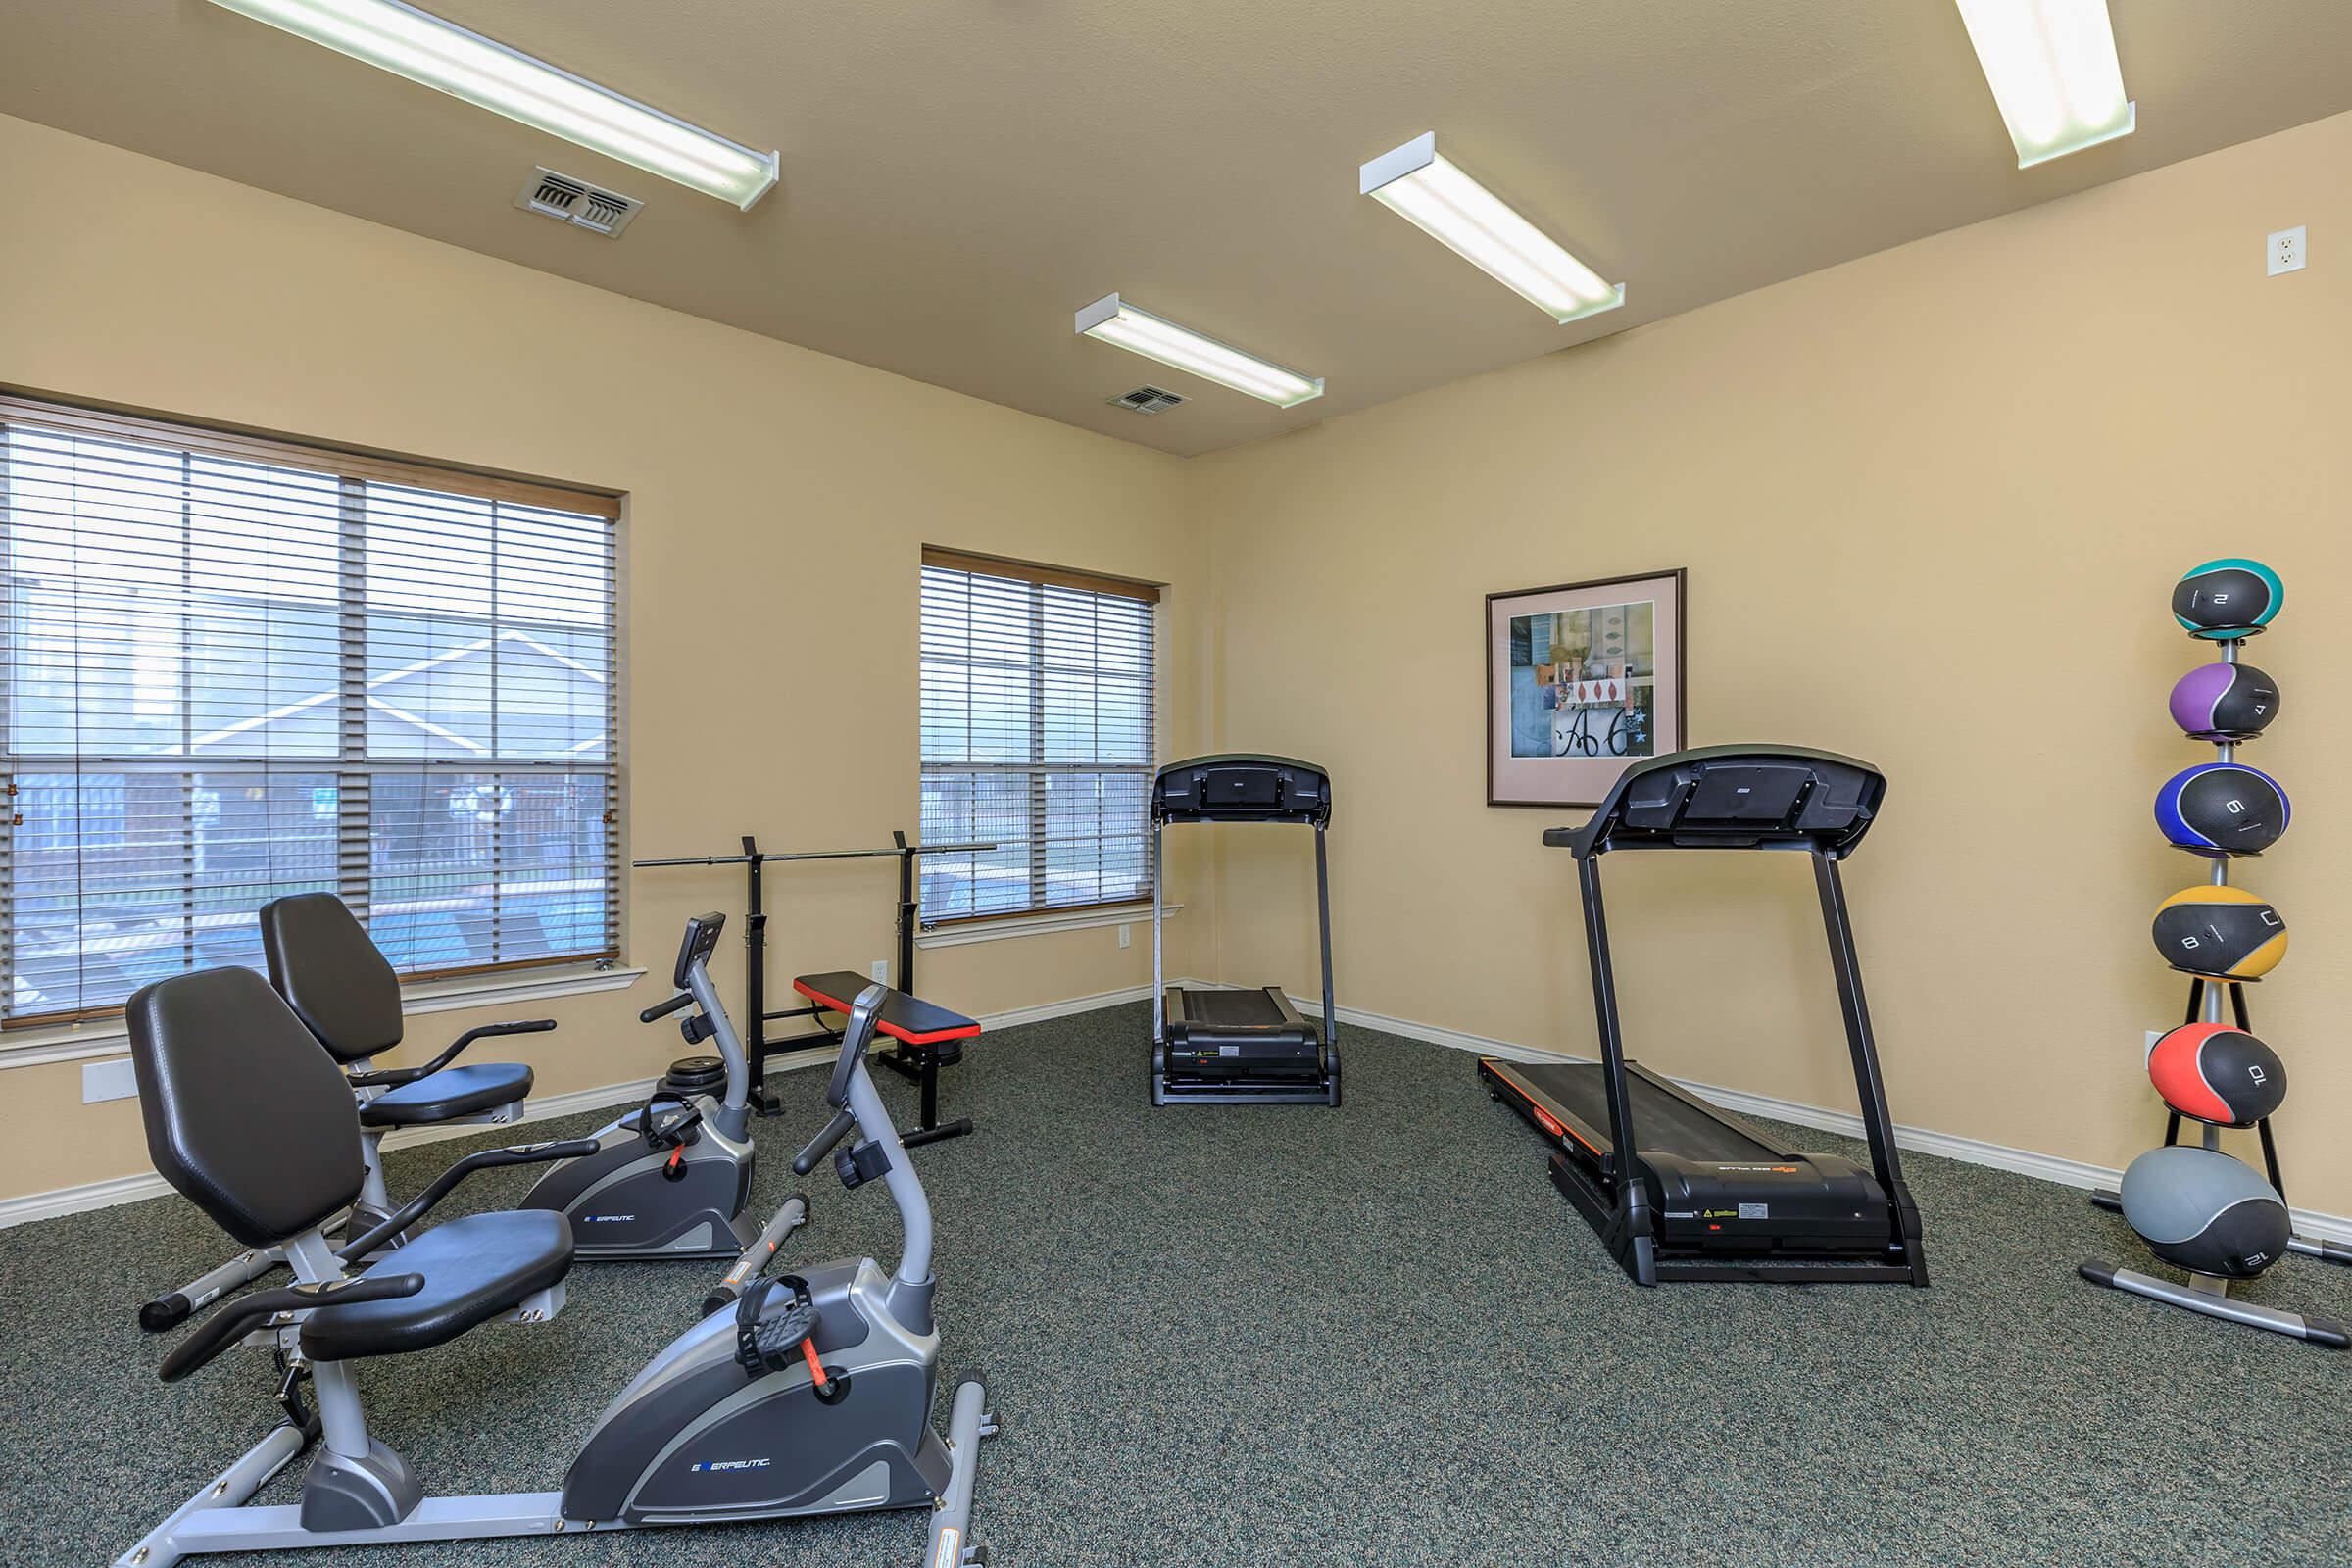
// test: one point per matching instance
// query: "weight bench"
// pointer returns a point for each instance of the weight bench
(924, 1039)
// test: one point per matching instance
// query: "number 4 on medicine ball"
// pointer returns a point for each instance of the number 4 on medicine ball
(2220, 702)
(2222, 933)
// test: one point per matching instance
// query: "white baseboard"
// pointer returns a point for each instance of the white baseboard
(147, 1184)
(1923, 1140)
(1739, 1101)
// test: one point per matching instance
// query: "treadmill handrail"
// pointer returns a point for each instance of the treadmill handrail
(1608, 828)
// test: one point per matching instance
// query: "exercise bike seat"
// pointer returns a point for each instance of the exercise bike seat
(475, 1268)
(450, 1094)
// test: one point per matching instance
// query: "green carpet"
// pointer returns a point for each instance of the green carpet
(1258, 1336)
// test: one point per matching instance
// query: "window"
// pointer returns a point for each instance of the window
(232, 669)
(1036, 737)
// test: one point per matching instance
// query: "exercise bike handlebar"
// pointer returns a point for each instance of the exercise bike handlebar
(822, 1144)
(394, 1077)
(415, 1207)
(249, 1312)
(663, 1010)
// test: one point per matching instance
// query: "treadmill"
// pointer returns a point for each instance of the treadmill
(1707, 1197)
(1242, 1047)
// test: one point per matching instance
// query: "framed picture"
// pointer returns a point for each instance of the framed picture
(1582, 678)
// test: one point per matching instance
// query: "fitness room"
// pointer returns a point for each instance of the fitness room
(749, 810)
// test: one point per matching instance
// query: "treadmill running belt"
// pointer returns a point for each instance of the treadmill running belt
(1231, 1009)
(1662, 1122)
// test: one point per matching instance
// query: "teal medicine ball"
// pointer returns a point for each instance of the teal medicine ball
(2228, 599)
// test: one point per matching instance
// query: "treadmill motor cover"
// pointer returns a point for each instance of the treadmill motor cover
(1794, 1203)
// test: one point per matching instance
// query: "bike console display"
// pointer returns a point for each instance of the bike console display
(700, 942)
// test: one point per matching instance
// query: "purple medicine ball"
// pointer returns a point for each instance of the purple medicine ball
(2223, 702)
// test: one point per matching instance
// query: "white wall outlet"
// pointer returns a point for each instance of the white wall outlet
(2148, 1051)
(1126, 936)
(879, 969)
(108, 1080)
(2286, 251)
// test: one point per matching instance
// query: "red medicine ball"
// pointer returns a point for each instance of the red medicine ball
(2218, 1074)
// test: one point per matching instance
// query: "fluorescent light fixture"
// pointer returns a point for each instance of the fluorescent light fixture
(2053, 71)
(1460, 212)
(1155, 337)
(421, 46)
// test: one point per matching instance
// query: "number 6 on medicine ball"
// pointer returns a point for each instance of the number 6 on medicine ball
(2222, 809)
(2222, 933)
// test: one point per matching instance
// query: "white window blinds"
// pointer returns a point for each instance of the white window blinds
(232, 669)
(1037, 731)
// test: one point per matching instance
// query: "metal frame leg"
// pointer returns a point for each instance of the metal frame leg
(2214, 1300)
(968, 1421)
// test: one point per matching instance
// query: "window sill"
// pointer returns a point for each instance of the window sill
(111, 1036)
(1041, 924)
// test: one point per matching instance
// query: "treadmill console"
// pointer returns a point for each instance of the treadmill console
(1241, 787)
(1733, 798)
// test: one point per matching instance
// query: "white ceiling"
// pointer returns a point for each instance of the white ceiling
(960, 176)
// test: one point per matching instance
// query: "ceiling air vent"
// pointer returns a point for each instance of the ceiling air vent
(1148, 400)
(576, 201)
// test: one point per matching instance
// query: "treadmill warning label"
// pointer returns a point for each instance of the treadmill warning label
(1755, 1212)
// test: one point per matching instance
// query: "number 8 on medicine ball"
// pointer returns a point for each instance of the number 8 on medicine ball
(2222, 933)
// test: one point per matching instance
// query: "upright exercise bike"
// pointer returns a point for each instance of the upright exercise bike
(673, 1177)
(813, 1395)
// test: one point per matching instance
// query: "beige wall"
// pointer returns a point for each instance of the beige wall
(1933, 503)
(778, 500)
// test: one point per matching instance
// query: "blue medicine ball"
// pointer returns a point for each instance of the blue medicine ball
(2222, 809)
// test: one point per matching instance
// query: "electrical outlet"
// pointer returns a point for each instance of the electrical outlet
(2286, 251)
(879, 969)
(108, 1080)
(2149, 1050)
(1126, 936)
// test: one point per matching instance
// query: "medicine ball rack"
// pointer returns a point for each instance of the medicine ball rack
(2210, 1293)
(2107, 1198)
(918, 1065)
